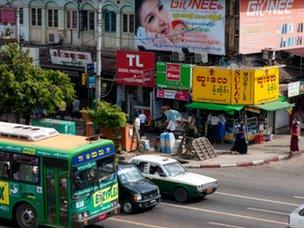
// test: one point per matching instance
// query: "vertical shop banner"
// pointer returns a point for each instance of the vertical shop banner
(241, 86)
(211, 85)
(135, 68)
(198, 25)
(173, 76)
(266, 85)
(275, 24)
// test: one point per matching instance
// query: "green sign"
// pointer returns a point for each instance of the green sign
(173, 76)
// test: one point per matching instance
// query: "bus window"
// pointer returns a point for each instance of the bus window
(105, 168)
(5, 165)
(25, 168)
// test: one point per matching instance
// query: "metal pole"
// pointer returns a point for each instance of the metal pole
(18, 25)
(98, 52)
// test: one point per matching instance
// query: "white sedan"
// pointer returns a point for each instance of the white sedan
(172, 178)
(296, 218)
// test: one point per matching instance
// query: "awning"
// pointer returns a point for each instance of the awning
(274, 106)
(228, 108)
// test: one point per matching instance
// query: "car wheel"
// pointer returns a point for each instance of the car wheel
(26, 216)
(181, 195)
(127, 207)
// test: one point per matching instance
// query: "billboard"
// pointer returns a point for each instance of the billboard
(173, 76)
(235, 86)
(271, 24)
(135, 68)
(198, 25)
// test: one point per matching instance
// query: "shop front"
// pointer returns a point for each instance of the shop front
(135, 78)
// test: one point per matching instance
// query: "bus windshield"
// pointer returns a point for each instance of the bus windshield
(93, 173)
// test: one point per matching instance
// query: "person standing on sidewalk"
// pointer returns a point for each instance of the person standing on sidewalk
(240, 142)
(62, 109)
(142, 118)
(295, 137)
(137, 130)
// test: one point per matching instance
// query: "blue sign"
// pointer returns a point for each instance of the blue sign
(90, 68)
(94, 154)
(91, 81)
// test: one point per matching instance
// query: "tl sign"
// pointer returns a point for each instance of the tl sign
(134, 60)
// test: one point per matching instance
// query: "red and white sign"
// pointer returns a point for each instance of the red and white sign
(135, 68)
(173, 72)
(182, 95)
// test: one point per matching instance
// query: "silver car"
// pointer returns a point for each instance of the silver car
(296, 218)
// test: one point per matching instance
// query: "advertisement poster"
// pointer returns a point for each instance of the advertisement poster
(266, 85)
(173, 76)
(135, 68)
(198, 25)
(211, 85)
(271, 24)
(241, 86)
(173, 94)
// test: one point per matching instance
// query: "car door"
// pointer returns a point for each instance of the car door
(159, 177)
(301, 218)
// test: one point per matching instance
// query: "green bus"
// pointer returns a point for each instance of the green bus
(53, 179)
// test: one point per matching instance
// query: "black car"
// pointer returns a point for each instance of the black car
(135, 192)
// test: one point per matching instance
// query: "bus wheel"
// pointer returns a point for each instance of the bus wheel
(26, 216)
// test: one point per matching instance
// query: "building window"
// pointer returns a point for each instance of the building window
(71, 19)
(36, 17)
(21, 17)
(110, 21)
(87, 20)
(128, 23)
(53, 18)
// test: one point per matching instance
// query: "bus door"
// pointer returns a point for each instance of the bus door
(56, 198)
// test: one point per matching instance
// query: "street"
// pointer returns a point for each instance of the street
(260, 196)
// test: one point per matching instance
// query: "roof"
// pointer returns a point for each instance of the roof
(296, 51)
(274, 106)
(155, 158)
(228, 108)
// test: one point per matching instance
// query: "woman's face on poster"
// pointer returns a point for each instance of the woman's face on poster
(154, 17)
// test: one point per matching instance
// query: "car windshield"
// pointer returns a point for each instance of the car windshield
(174, 169)
(93, 173)
(129, 175)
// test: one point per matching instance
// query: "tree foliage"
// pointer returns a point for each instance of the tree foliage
(25, 87)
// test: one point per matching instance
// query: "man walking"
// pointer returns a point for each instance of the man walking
(142, 118)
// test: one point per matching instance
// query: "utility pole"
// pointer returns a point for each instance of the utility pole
(18, 25)
(98, 51)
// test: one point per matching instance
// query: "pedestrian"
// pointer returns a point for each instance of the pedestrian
(240, 142)
(192, 132)
(213, 122)
(137, 130)
(221, 128)
(295, 137)
(75, 108)
(62, 109)
(142, 118)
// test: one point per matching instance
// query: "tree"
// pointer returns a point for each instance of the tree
(25, 87)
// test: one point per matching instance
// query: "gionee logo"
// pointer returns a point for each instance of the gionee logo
(134, 60)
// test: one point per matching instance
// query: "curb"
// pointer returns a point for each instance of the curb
(239, 164)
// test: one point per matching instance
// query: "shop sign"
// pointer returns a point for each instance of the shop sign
(135, 68)
(8, 15)
(274, 24)
(173, 94)
(241, 86)
(266, 85)
(173, 76)
(293, 89)
(195, 24)
(211, 85)
(70, 58)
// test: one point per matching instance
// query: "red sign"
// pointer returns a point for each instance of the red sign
(135, 68)
(182, 95)
(8, 16)
(173, 72)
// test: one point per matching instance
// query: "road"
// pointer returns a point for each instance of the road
(260, 196)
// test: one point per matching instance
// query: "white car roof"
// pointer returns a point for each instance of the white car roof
(154, 158)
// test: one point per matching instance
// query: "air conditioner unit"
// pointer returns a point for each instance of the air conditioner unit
(53, 38)
(201, 58)
(175, 56)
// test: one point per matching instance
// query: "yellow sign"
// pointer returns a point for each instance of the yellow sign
(4, 193)
(241, 86)
(105, 195)
(266, 85)
(211, 85)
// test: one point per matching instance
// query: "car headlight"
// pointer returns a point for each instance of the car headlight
(137, 197)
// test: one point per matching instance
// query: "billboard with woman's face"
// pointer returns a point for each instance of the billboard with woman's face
(198, 25)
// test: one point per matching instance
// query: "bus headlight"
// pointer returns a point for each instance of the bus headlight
(137, 197)
(81, 216)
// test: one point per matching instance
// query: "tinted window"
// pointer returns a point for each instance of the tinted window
(301, 213)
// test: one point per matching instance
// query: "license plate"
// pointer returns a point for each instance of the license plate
(209, 190)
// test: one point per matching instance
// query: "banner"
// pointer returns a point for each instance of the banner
(71, 58)
(211, 85)
(198, 25)
(135, 68)
(241, 86)
(271, 24)
(173, 94)
(266, 85)
(173, 76)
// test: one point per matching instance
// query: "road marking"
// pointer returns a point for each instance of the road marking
(257, 199)
(224, 225)
(298, 197)
(134, 223)
(267, 211)
(224, 213)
